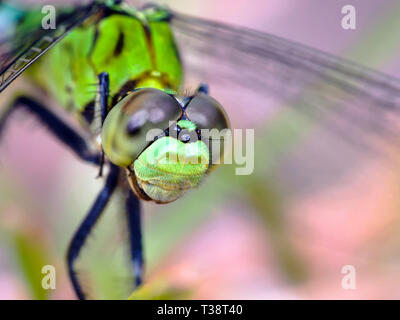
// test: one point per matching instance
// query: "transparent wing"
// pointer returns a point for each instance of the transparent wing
(27, 40)
(267, 66)
(344, 109)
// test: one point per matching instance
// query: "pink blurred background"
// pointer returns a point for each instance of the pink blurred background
(234, 252)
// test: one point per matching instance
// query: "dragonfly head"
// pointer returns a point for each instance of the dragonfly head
(157, 138)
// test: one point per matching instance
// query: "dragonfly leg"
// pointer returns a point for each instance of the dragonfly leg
(135, 235)
(100, 110)
(55, 125)
(84, 229)
(203, 88)
(101, 103)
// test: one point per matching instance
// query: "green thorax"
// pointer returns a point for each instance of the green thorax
(136, 49)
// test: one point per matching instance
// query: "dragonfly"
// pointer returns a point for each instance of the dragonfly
(135, 59)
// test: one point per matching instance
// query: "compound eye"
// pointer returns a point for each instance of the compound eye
(207, 113)
(211, 119)
(135, 121)
(150, 108)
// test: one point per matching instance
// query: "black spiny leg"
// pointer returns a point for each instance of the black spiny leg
(104, 86)
(135, 235)
(203, 88)
(55, 125)
(100, 109)
(84, 229)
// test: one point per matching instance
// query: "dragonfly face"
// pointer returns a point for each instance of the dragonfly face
(157, 138)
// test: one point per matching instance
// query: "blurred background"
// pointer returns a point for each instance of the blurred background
(270, 235)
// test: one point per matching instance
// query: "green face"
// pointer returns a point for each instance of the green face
(168, 168)
(153, 136)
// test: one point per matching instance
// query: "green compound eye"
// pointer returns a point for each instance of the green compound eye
(135, 121)
(206, 113)
(212, 121)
